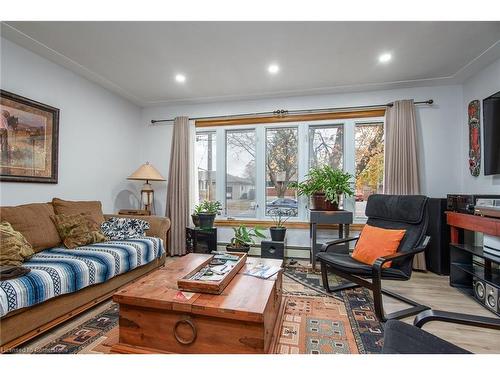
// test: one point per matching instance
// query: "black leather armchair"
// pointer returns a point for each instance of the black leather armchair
(403, 338)
(407, 212)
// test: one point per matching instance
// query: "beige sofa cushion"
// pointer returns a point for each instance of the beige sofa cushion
(14, 249)
(34, 222)
(91, 208)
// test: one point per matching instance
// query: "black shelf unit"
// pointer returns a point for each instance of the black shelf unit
(468, 262)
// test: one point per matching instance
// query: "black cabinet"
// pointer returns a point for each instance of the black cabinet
(200, 240)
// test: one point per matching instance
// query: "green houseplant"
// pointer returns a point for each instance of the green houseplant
(205, 212)
(325, 185)
(243, 238)
(279, 217)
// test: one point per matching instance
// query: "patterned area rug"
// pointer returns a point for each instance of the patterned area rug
(314, 322)
(351, 311)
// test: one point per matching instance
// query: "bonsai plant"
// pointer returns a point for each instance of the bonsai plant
(279, 217)
(325, 186)
(205, 212)
(243, 238)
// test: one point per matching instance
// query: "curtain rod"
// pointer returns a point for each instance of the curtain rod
(283, 112)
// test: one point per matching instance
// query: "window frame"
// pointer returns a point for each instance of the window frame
(349, 160)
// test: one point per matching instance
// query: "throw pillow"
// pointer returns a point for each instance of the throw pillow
(77, 230)
(34, 222)
(122, 228)
(93, 208)
(14, 248)
(377, 242)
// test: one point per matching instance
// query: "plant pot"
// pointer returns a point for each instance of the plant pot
(319, 203)
(206, 220)
(196, 220)
(277, 234)
(235, 249)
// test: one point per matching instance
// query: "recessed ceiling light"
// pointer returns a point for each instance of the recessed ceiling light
(385, 57)
(273, 68)
(180, 78)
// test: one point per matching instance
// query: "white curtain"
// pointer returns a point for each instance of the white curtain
(401, 175)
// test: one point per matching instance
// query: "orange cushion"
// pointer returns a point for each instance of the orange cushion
(376, 242)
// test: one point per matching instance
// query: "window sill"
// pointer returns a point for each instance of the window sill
(289, 224)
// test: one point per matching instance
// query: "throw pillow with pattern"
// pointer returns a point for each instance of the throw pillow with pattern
(14, 248)
(77, 230)
(122, 228)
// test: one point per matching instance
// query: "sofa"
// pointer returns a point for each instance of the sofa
(65, 282)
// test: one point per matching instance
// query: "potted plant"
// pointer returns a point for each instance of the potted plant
(243, 238)
(279, 217)
(205, 213)
(194, 215)
(325, 185)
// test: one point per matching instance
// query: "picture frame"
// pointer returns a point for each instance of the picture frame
(29, 140)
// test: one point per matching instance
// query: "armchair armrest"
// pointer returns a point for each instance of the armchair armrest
(329, 244)
(451, 317)
(158, 225)
(377, 265)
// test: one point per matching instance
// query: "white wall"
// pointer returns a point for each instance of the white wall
(438, 125)
(103, 137)
(479, 86)
(99, 133)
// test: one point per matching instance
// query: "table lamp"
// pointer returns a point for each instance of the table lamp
(147, 172)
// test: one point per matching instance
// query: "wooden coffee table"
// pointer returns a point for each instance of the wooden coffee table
(156, 317)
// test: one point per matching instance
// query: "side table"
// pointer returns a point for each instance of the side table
(342, 218)
(200, 240)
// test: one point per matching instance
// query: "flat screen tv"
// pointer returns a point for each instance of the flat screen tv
(491, 132)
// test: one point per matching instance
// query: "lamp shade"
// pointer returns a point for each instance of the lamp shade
(146, 172)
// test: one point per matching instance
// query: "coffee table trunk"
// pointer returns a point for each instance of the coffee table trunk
(155, 317)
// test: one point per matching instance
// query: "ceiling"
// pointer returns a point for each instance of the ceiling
(229, 60)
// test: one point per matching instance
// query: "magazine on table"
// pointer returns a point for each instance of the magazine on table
(262, 271)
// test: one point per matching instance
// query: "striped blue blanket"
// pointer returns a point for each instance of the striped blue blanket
(60, 271)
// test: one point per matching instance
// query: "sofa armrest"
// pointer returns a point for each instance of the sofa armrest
(159, 225)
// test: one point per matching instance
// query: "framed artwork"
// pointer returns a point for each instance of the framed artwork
(29, 134)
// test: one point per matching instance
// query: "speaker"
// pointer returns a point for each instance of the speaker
(272, 249)
(491, 298)
(479, 290)
(437, 254)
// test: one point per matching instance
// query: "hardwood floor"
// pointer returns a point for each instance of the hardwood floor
(426, 288)
(434, 291)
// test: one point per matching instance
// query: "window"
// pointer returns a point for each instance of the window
(326, 146)
(240, 173)
(281, 169)
(369, 148)
(205, 154)
(249, 168)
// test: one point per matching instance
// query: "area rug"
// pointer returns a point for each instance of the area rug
(313, 322)
(357, 303)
